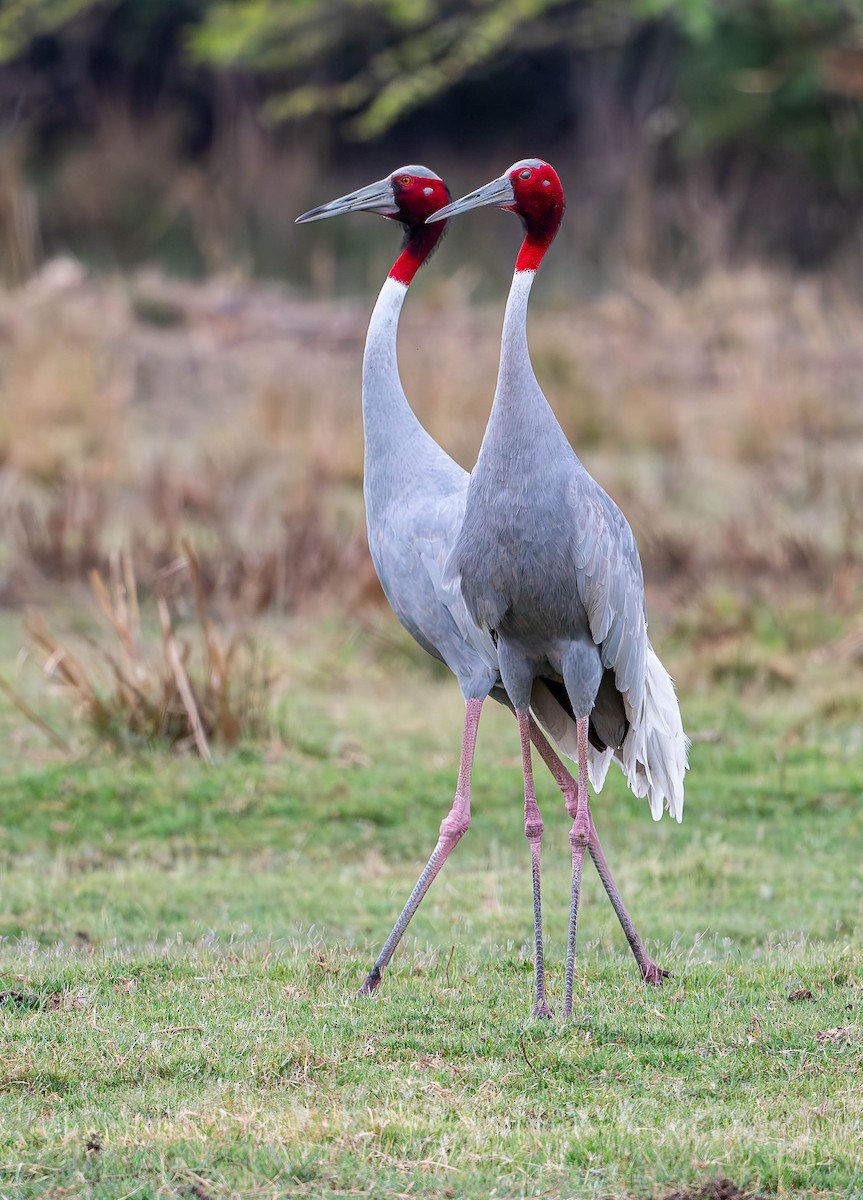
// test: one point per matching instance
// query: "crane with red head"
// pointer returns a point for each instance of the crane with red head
(415, 503)
(547, 564)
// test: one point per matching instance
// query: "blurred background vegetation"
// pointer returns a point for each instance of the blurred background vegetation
(191, 132)
(179, 363)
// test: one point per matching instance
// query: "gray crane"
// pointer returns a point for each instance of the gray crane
(547, 564)
(415, 502)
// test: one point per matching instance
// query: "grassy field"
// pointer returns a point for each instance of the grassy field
(182, 946)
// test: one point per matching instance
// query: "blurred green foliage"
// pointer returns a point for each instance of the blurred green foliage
(764, 72)
(365, 64)
(762, 97)
(23, 20)
(368, 63)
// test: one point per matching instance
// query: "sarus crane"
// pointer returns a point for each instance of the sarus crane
(548, 566)
(415, 502)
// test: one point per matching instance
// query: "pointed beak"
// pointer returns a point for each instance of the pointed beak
(376, 198)
(498, 192)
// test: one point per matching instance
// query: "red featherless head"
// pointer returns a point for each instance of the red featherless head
(409, 195)
(417, 193)
(531, 189)
(539, 201)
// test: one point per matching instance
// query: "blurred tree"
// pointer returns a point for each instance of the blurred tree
(761, 68)
(368, 63)
(21, 21)
(758, 101)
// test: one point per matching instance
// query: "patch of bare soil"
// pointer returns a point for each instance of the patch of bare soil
(716, 1189)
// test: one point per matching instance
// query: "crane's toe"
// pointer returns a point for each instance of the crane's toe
(371, 984)
(653, 974)
(541, 1011)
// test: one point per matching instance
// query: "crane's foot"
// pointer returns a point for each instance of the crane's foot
(653, 974)
(371, 984)
(541, 1011)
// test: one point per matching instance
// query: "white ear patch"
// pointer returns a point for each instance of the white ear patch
(546, 183)
(427, 191)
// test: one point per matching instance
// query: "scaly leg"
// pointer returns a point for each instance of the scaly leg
(453, 827)
(579, 837)
(533, 832)
(650, 972)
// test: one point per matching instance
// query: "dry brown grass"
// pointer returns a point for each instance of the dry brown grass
(73, 529)
(725, 421)
(137, 684)
(118, 431)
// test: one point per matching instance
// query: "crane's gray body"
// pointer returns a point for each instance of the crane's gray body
(415, 506)
(546, 561)
(426, 525)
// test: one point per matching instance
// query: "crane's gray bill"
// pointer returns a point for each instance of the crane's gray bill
(376, 198)
(498, 192)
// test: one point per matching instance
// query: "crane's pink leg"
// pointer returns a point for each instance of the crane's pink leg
(533, 828)
(579, 836)
(650, 972)
(453, 827)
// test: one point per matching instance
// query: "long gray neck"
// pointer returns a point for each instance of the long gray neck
(388, 420)
(520, 414)
(516, 370)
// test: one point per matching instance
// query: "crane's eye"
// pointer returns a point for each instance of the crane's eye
(405, 180)
(525, 174)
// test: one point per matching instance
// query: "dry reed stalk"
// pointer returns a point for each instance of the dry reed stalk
(134, 691)
(61, 662)
(218, 659)
(175, 662)
(32, 716)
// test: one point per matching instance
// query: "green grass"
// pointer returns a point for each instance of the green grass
(182, 947)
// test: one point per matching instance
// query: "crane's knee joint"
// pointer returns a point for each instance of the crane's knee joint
(579, 836)
(533, 829)
(456, 823)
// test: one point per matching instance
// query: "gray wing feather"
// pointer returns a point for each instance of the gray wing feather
(410, 548)
(450, 597)
(611, 586)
